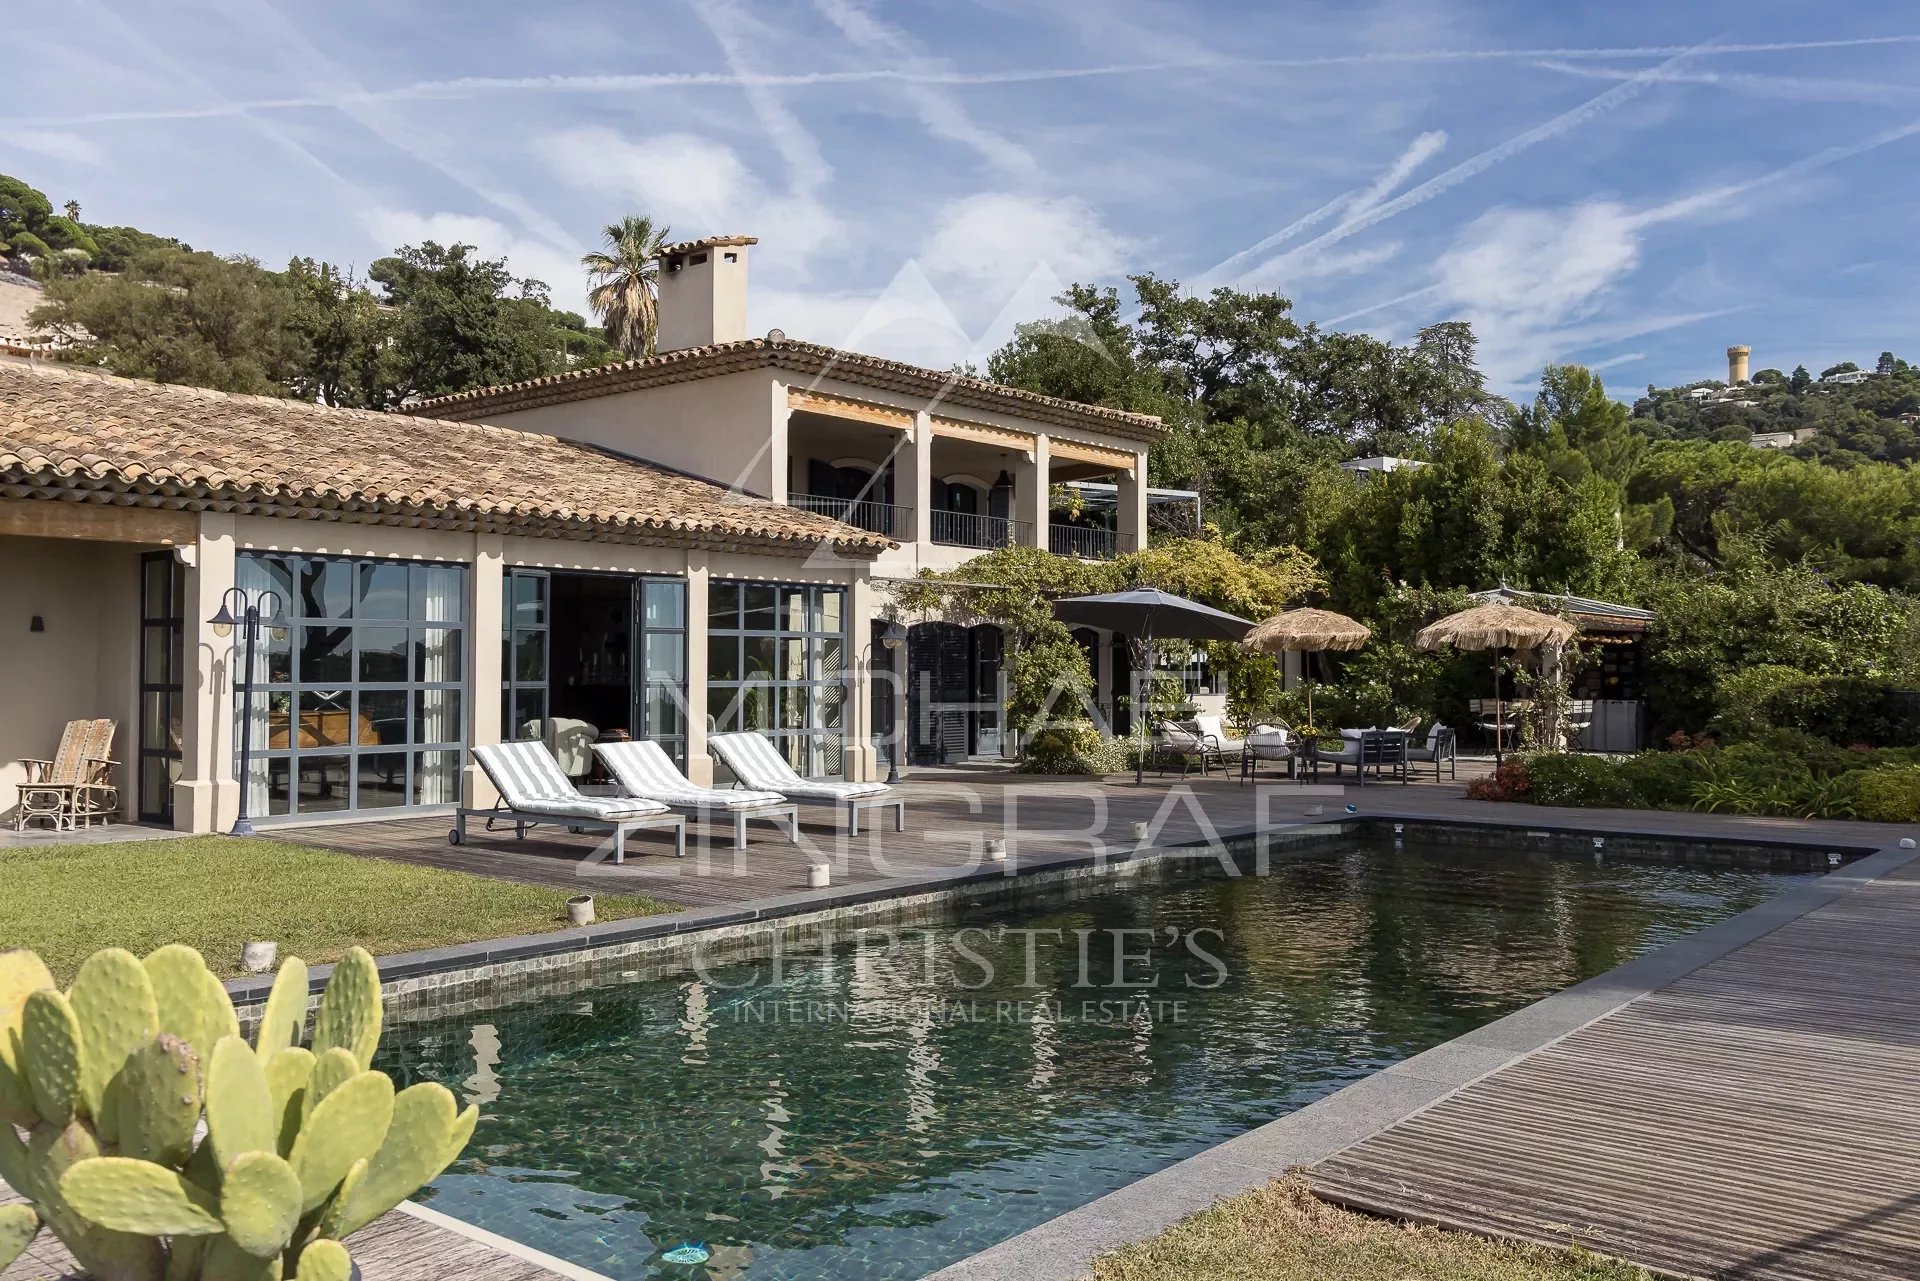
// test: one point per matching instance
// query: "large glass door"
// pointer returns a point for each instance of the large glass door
(523, 665)
(660, 663)
(162, 614)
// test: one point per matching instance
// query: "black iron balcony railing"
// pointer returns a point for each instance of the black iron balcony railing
(876, 518)
(1088, 542)
(965, 529)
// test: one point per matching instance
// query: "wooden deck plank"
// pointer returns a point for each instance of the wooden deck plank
(1758, 1119)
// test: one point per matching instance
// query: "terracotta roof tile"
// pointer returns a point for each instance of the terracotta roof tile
(69, 433)
(811, 359)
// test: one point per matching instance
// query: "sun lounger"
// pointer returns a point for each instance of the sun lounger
(759, 766)
(643, 769)
(534, 790)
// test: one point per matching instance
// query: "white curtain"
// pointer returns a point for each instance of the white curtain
(437, 777)
(253, 578)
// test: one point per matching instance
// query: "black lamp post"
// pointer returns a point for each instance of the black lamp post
(893, 638)
(251, 614)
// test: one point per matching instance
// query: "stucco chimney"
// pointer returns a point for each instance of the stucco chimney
(1737, 364)
(703, 292)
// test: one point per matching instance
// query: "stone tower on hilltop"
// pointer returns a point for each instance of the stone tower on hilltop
(1737, 364)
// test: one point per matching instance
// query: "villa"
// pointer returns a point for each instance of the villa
(693, 542)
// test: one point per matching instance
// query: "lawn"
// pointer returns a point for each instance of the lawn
(1283, 1233)
(217, 892)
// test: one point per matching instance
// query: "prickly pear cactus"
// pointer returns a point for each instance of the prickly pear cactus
(104, 1089)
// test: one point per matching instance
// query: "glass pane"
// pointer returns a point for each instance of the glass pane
(665, 717)
(279, 664)
(829, 620)
(383, 653)
(326, 718)
(794, 748)
(257, 574)
(382, 719)
(383, 591)
(279, 772)
(666, 657)
(793, 611)
(795, 701)
(793, 658)
(828, 758)
(529, 603)
(436, 778)
(154, 728)
(176, 648)
(759, 614)
(382, 779)
(723, 606)
(723, 708)
(830, 655)
(530, 656)
(326, 654)
(529, 713)
(154, 786)
(439, 594)
(156, 647)
(756, 707)
(664, 604)
(156, 587)
(436, 653)
(723, 658)
(326, 589)
(759, 658)
(322, 785)
(436, 716)
(829, 703)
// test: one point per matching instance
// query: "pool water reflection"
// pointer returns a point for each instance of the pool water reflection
(892, 1107)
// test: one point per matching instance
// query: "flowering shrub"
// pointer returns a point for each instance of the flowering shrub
(1511, 781)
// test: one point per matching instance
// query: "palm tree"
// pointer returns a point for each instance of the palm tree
(623, 283)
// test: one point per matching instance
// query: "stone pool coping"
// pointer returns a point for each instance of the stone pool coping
(1063, 1248)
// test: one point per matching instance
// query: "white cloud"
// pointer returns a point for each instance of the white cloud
(555, 264)
(992, 241)
(697, 185)
(57, 143)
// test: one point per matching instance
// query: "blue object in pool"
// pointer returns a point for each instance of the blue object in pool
(689, 1253)
(1353, 809)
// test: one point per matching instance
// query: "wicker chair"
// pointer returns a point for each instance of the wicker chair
(76, 784)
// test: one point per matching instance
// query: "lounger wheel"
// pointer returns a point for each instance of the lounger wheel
(576, 829)
(453, 836)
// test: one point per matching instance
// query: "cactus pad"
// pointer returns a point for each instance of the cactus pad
(260, 1203)
(18, 1226)
(330, 1071)
(413, 1152)
(127, 1195)
(54, 1054)
(239, 1103)
(158, 1101)
(325, 1260)
(349, 1014)
(285, 1015)
(114, 1005)
(193, 1004)
(288, 1072)
(226, 1261)
(21, 972)
(345, 1126)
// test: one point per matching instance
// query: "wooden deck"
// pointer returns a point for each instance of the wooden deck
(1757, 1119)
(397, 1247)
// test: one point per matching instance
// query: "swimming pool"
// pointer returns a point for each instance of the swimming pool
(892, 1105)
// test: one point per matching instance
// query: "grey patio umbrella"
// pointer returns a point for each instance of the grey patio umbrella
(1151, 614)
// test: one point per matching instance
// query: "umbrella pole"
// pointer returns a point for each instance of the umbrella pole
(1141, 712)
(1499, 720)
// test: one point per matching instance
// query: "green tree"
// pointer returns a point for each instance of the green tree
(1799, 380)
(65, 233)
(22, 208)
(180, 317)
(346, 337)
(623, 283)
(462, 321)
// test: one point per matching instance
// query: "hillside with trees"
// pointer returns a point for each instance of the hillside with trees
(427, 320)
(1871, 416)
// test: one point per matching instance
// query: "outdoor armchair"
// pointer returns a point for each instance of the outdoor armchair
(534, 790)
(75, 784)
(1438, 746)
(642, 768)
(758, 765)
(1269, 743)
(1182, 741)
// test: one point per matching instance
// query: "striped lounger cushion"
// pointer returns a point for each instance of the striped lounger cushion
(531, 781)
(644, 769)
(757, 764)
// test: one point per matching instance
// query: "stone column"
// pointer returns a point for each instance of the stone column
(206, 797)
(1130, 519)
(913, 480)
(699, 581)
(486, 623)
(1031, 489)
(863, 603)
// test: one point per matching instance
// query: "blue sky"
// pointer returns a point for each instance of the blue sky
(1629, 185)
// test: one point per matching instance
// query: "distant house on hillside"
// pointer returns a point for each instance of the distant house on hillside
(1781, 439)
(1851, 376)
(1379, 463)
(1700, 393)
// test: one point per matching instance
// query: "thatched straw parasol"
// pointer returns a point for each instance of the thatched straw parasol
(1305, 631)
(1496, 627)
